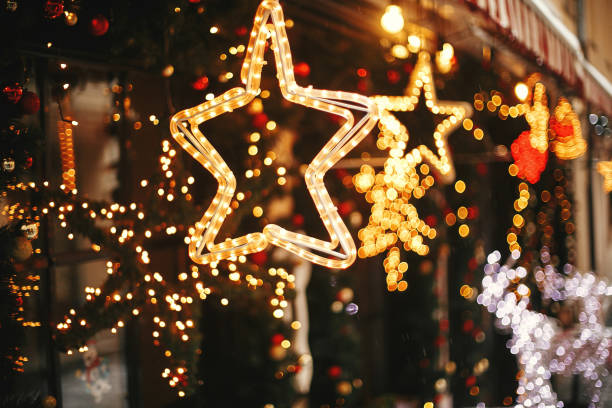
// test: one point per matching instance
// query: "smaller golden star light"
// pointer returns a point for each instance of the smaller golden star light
(269, 23)
(422, 79)
(567, 145)
(605, 169)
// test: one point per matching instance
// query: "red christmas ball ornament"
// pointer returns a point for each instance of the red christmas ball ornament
(468, 325)
(297, 220)
(260, 120)
(334, 371)
(393, 76)
(362, 72)
(301, 69)
(242, 30)
(99, 25)
(200, 84)
(29, 103)
(259, 258)
(470, 381)
(13, 93)
(530, 162)
(345, 208)
(431, 220)
(277, 339)
(54, 8)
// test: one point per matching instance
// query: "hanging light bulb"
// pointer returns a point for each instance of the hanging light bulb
(522, 91)
(392, 21)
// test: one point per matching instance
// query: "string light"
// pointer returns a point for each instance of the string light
(184, 129)
(540, 347)
(392, 21)
(421, 79)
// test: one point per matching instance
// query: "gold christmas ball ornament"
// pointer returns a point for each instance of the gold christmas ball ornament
(71, 18)
(22, 249)
(49, 402)
(344, 388)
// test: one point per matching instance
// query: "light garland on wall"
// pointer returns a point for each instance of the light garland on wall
(184, 129)
(541, 348)
(421, 79)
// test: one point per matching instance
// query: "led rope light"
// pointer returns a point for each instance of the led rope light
(184, 129)
(64, 133)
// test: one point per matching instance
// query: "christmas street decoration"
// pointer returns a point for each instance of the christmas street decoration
(184, 128)
(542, 348)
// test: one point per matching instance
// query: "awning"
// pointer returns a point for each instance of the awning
(536, 29)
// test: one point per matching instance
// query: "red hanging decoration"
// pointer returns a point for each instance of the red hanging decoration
(99, 25)
(259, 258)
(13, 92)
(54, 8)
(530, 162)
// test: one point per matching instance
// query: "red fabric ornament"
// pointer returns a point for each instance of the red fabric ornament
(530, 162)
(13, 92)
(259, 258)
(30, 103)
(393, 76)
(260, 120)
(277, 339)
(301, 69)
(334, 371)
(54, 8)
(200, 84)
(99, 25)
(297, 220)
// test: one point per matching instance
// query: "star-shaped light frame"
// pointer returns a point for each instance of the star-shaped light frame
(421, 78)
(184, 129)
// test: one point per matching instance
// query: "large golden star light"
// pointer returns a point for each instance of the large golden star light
(605, 169)
(269, 23)
(421, 78)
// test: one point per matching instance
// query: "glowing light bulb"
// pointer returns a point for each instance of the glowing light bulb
(392, 21)
(521, 90)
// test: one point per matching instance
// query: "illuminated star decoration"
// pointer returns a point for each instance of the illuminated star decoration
(542, 348)
(421, 78)
(184, 129)
(605, 169)
(392, 217)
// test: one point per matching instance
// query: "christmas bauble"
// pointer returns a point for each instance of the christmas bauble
(277, 352)
(29, 103)
(22, 249)
(334, 371)
(344, 388)
(260, 120)
(71, 18)
(301, 69)
(345, 295)
(277, 339)
(12, 92)
(54, 8)
(99, 25)
(49, 402)
(11, 5)
(259, 258)
(8, 165)
(200, 84)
